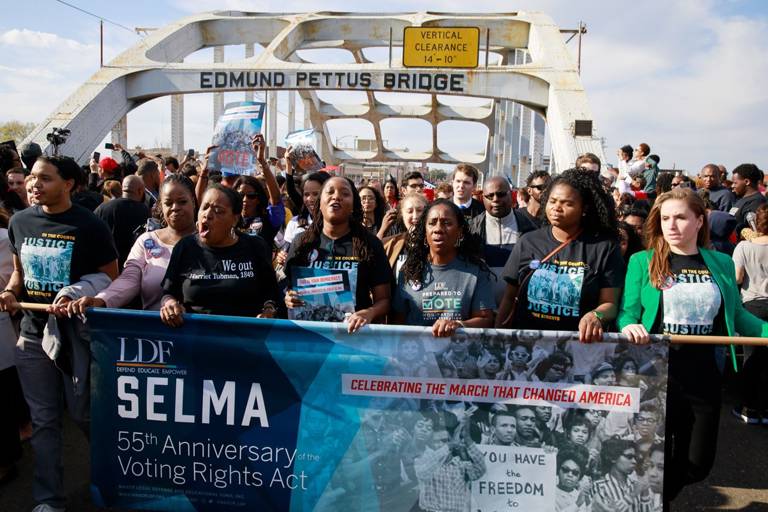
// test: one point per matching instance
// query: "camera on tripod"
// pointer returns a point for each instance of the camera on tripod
(57, 137)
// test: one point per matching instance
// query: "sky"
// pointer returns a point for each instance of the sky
(688, 77)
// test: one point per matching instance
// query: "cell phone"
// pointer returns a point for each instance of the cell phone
(96, 156)
(109, 145)
(190, 153)
(11, 144)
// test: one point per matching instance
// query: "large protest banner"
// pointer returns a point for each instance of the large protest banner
(245, 414)
(240, 121)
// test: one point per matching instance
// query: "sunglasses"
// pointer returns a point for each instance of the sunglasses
(570, 471)
(538, 187)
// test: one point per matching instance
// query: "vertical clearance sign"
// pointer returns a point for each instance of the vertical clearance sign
(441, 47)
(236, 414)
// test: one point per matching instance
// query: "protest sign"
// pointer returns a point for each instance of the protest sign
(302, 144)
(233, 133)
(239, 414)
(328, 294)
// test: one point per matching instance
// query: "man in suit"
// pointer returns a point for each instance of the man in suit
(464, 182)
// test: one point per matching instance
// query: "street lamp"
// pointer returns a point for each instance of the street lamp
(339, 139)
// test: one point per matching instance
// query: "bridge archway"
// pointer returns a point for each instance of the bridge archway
(532, 74)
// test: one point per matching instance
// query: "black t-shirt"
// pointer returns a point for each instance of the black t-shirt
(88, 199)
(567, 286)
(123, 216)
(259, 225)
(743, 207)
(338, 254)
(474, 209)
(691, 303)
(56, 250)
(235, 280)
(535, 220)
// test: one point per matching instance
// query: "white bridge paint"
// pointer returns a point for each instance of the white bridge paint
(545, 80)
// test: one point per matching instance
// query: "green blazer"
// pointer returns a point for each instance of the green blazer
(640, 303)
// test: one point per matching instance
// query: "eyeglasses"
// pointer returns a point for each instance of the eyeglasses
(538, 187)
(500, 195)
(570, 471)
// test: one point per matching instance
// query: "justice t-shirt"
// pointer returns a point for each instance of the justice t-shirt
(691, 303)
(235, 280)
(451, 291)
(691, 300)
(567, 286)
(56, 250)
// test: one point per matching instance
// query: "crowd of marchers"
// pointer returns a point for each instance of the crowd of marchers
(593, 249)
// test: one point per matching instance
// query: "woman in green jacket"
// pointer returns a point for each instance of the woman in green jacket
(679, 287)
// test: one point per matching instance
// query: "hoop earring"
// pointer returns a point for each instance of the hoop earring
(458, 242)
(232, 233)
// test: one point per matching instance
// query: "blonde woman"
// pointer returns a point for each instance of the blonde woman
(678, 286)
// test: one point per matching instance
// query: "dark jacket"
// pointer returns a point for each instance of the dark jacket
(475, 209)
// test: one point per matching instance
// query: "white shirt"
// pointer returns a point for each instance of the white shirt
(292, 230)
(464, 205)
(499, 231)
(636, 167)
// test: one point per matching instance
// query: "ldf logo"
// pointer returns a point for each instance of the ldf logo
(142, 350)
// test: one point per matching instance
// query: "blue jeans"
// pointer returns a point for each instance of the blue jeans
(47, 390)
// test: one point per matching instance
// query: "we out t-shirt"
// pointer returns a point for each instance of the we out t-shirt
(451, 291)
(567, 286)
(691, 300)
(235, 280)
(56, 250)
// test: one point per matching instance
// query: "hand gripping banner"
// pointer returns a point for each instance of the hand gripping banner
(237, 414)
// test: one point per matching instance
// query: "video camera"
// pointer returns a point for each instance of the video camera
(57, 137)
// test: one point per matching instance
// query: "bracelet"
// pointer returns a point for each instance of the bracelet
(8, 290)
(461, 324)
(599, 315)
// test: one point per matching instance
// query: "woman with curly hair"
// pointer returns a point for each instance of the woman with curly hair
(567, 274)
(443, 283)
(338, 242)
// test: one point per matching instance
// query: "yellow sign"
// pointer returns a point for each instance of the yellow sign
(441, 47)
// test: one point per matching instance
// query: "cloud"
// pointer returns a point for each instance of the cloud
(34, 39)
(707, 106)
